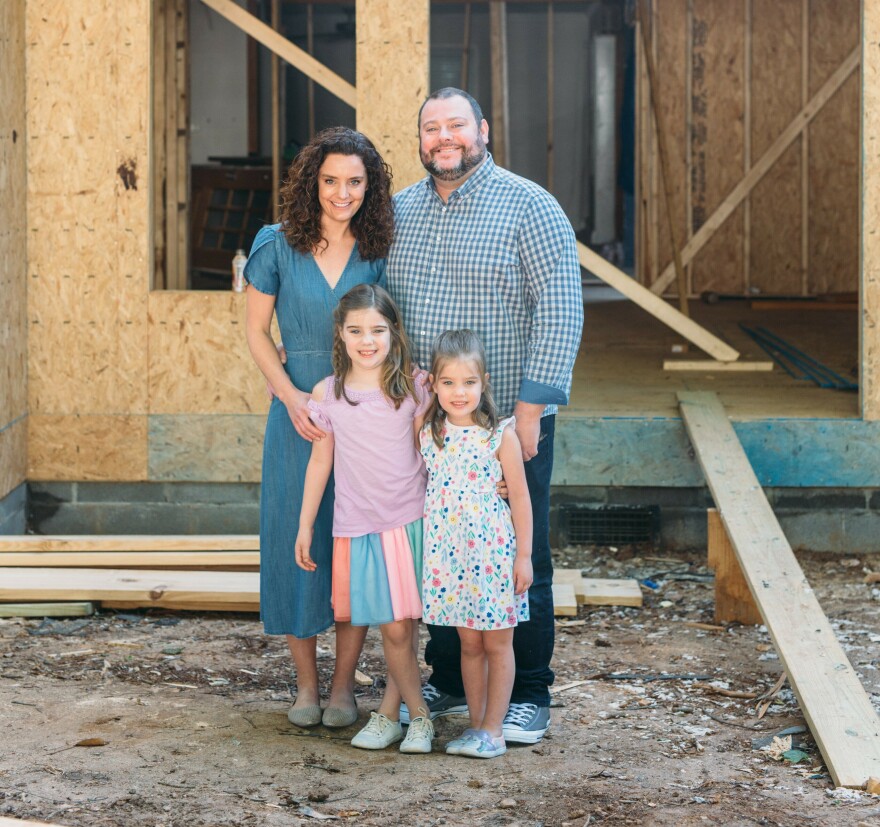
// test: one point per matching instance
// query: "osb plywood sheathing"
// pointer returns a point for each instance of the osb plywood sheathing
(392, 62)
(13, 290)
(87, 215)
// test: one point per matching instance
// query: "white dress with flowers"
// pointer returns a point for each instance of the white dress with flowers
(469, 548)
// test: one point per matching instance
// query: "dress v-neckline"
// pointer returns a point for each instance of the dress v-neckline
(332, 287)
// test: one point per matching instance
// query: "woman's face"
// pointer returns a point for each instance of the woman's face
(342, 185)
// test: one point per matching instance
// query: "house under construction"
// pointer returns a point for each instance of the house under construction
(141, 144)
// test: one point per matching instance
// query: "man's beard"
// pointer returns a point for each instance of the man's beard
(467, 163)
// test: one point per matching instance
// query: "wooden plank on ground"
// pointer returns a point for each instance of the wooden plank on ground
(836, 706)
(564, 600)
(47, 609)
(129, 542)
(189, 606)
(596, 591)
(173, 589)
(133, 559)
(599, 592)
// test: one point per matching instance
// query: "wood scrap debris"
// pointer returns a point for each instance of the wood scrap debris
(594, 591)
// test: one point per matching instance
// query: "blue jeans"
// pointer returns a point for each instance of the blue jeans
(533, 640)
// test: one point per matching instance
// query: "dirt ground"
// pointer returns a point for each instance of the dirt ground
(188, 714)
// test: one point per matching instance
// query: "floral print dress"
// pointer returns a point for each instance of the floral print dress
(469, 542)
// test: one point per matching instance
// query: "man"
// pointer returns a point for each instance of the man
(479, 247)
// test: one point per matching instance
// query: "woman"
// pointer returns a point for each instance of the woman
(336, 226)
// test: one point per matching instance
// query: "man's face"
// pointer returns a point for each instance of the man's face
(451, 143)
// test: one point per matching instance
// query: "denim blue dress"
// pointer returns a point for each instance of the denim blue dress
(294, 601)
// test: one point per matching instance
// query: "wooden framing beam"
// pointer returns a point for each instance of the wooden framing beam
(761, 167)
(170, 133)
(712, 365)
(671, 207)
(275, 71)
(656, 306)
(281, 46)
(837, 708)
(499, 135)
(733, 600)
(869, 281)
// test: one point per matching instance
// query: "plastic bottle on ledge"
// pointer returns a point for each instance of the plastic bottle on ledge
(238, 263)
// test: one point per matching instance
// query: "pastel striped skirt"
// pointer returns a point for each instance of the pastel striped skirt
(377, 578)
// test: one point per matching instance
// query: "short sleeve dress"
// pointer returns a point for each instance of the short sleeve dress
(469, 545)
(380, 499)
(293, 601)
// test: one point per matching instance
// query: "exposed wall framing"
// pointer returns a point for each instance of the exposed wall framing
(733, 74)
(170, 169)
(13, 242)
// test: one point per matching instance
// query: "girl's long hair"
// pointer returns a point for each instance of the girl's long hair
(372, 224)
(397, 380)
(460, 345)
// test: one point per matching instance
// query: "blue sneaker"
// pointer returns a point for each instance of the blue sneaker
(482, 745)
(454, 747)
(526, 723)
(438, 703)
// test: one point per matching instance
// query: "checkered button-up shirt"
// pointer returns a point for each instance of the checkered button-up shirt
(500, 258)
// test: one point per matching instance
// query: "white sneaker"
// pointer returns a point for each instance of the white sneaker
(378, 733)
(419, 735)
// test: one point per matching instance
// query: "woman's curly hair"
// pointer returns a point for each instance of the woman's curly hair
(373, 223)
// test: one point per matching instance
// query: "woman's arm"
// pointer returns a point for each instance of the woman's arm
(510, 456)
(260, 309)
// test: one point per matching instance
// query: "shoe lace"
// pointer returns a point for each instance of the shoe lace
(376, 724)
(421, 728)
(430, 693)
(520, 714)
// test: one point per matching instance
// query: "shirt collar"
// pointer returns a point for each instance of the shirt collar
(474, 181)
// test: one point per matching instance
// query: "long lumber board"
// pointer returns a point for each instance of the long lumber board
(836, 706)
(659, 309)
(79, 609)
(129, 542)
(170, 589)
(131, 559)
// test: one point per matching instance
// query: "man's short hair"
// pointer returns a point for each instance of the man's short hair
(452, 92)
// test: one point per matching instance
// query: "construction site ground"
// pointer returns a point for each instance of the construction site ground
(161, 719)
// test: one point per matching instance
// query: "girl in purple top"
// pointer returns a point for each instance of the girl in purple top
(372, 409)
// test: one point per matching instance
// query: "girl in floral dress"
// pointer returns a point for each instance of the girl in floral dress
(477, 550)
